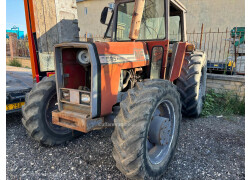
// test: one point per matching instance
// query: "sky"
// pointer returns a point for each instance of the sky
(15, 15)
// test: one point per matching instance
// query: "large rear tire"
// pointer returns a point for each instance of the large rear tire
(139, 154)
(192, 84)
(37, 114)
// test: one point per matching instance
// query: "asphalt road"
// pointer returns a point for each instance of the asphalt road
(208, 148)
(18, 78)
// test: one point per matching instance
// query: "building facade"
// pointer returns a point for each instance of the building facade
(89, 14)
(213, 14)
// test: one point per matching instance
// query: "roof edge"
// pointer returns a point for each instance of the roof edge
(180, 4)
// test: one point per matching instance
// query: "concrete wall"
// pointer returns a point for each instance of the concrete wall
(220, 83)
(214, 14)
(56, 22)
(89, 13)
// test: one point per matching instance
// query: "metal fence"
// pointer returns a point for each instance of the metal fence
(225, 49)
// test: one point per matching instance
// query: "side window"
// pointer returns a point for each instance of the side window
(175, 28)
(85, 11)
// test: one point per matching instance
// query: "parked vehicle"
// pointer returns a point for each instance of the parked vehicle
(136, 80)
(18, 83)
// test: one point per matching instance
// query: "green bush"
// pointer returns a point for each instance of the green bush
(15, 62)
(224, 103)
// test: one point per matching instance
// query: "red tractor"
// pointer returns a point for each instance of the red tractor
(142, 81)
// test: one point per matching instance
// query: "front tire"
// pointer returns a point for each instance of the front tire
(134, 138)
(37, 114)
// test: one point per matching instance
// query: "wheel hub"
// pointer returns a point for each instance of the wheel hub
(160, 130)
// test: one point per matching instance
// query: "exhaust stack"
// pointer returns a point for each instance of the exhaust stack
(136, 19)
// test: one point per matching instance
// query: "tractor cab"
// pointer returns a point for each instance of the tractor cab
(162, 28)
(161, 20)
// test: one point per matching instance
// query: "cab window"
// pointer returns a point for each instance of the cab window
(174, 28)
(175, 24)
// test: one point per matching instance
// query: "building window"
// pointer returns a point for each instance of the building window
(111, 6)
(85, 11)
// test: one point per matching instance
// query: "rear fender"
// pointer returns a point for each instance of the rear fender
(178, 55)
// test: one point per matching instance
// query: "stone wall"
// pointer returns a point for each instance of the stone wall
(220, 83)
(25, 61)
(13, 44)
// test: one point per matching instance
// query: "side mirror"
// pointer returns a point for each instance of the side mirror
(104, 15)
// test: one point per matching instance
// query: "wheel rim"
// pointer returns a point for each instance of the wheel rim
(161, 132)
(51, 106)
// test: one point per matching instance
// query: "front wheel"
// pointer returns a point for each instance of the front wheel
(147, 129)
(37, 114)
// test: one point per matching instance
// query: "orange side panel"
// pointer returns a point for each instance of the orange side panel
(177, 66)
(119, 47)
(32, 18)
(29, 16)
(110, 70)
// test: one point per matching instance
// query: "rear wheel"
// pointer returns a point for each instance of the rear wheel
(37, 114)
(147, 129)
(192, 84)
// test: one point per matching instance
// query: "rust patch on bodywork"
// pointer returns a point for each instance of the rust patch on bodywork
(77, 121)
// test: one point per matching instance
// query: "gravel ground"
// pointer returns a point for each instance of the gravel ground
(208, 148)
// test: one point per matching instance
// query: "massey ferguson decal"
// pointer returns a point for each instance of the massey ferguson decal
(139, 55)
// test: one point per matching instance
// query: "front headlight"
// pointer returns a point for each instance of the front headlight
(190, 48)
(65, 95)
(83, 57)
(85, 98)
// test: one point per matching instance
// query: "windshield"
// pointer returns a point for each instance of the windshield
(152, 25)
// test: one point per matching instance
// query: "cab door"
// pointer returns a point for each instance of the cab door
(153, 31)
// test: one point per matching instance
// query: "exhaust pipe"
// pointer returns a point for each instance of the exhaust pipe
(136, 19)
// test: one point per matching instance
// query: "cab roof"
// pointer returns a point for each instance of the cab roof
(179, 4)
